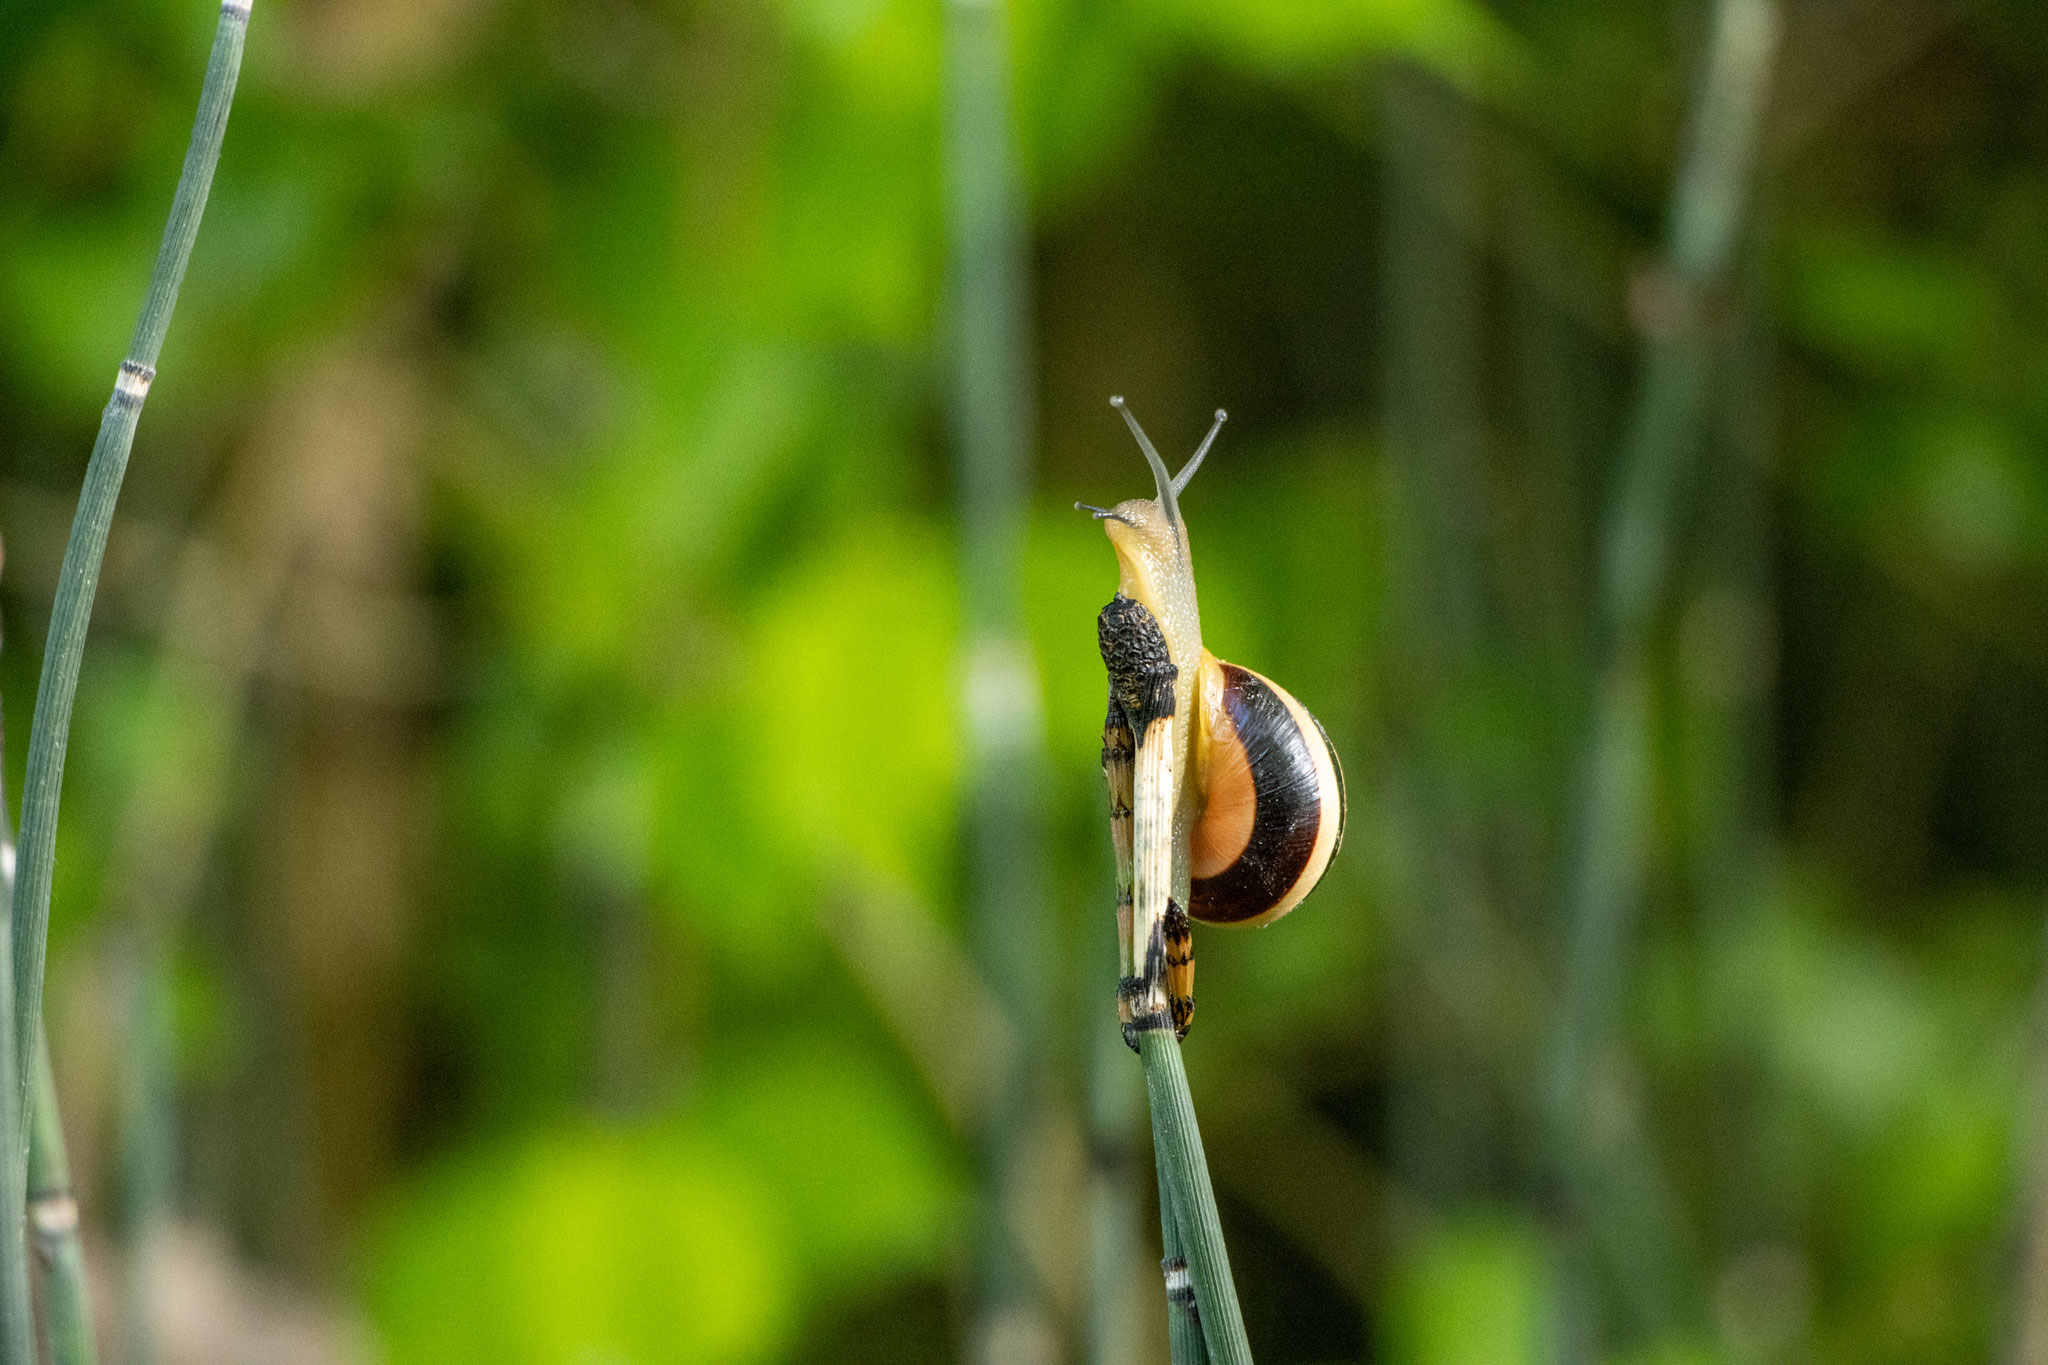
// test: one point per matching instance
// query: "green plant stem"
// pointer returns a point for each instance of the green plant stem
(17, 1315)
(1183, 1322)
(78, 579)
(1441, 618)
(991, 384)
(53, 1222)
(148, 1131)
(1666, 439)
(1615, 1186)
(52, 1207)
(1184, 1179)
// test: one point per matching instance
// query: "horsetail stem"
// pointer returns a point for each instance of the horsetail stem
(1621, 1196)
(1184, 1176)
(77, 583)
(52, 1207)
(1183, 1317)
(53, 1224)
(991, 385)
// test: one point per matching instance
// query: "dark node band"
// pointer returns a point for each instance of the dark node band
(131, 384)
(1129, 990)
(1141, 669)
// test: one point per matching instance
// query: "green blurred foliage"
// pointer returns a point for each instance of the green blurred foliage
(1471, 1293)
(528, 659)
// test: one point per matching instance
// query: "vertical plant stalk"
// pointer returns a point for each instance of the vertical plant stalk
(1142, 703)
(77, 582)
(1183, 1318)
(1666, 441)
(148, 1131)
(1150, 829)
(992, 429)
(53, 1223)
(78, 578)
(1110, 1308)
(1112, 1226)
(1441, 618)
(52, 1207)
(2028, 1310)
(17, 1314)
(1184, 1184)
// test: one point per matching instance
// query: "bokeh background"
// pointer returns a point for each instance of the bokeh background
(514, 887)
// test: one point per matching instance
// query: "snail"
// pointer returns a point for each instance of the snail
(1226, 796)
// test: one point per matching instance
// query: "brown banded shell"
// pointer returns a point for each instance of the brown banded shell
(1273, 811)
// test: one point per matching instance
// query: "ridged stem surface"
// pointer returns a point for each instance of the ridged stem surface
(1184, 1177)
(1183, 1322)
(53, 1224)
(49, 733)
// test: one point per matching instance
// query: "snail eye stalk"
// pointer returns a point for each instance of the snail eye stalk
(1161, 480)
(1187, 471)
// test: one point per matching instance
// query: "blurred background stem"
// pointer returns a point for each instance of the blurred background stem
(53, 1222)
(51, 1202)
(1111, 1329)
(1437, 555)
(1618, 1196)
(147, 1147)
(1009, 925)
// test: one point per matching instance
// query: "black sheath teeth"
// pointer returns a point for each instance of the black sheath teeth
(1141, 668)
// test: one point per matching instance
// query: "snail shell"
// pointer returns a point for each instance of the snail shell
(1273, 809)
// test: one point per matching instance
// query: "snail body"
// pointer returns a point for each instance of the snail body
(1243, 790)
